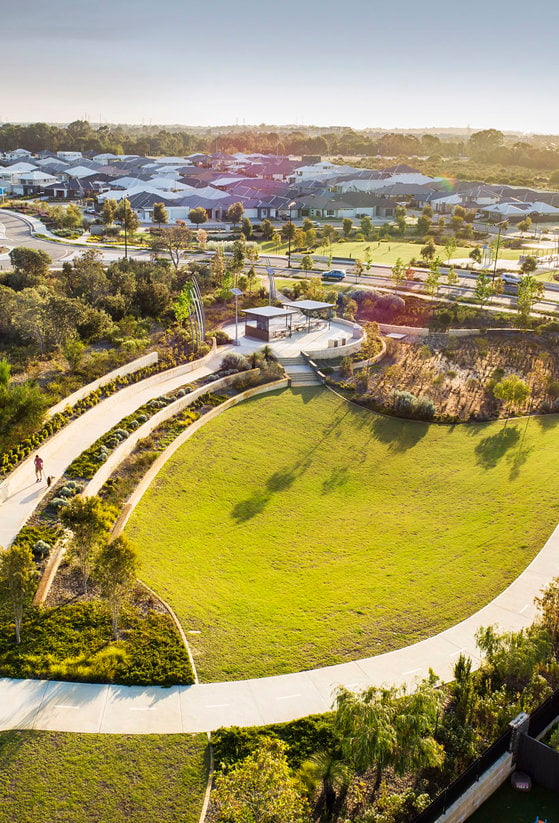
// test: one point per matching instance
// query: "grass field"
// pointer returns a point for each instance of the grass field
(510, 806)
(52, 777)
(298, 530)
(387, 252)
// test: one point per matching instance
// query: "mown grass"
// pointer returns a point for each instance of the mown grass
(297, 530)
(52, 777)
(510, 806)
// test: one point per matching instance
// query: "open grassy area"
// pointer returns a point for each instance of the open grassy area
(510, 806)
(387, 251)
(298, 530)
(51, 777)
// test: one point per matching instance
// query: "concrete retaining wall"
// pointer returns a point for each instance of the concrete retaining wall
(357, 334)
(127, 446)
(361, 364)
(480, 791)
(128, 368)
(156, 467)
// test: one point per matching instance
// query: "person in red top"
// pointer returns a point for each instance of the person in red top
(38, 468)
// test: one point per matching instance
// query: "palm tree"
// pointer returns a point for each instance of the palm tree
(333, 776)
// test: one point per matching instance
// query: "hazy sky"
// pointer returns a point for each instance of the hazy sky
(365, 63)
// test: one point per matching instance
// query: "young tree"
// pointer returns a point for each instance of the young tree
(202, 238)
(115, 571)
(451, 277)
(198, 215)
(529, 264)
(234, 213)
(476, 254)
(358, 266)
(108, 211)
(366, 226)
(423, 225)
(429, 250)
(160, 214)
(217, 268)
(246, 228)
(18, 580)
(483, 289)
(525, 224)
(259, 789)
(306, 262)
(323, 769)
(251, 279)
(433, 278)
(530, 291)
(267, 229)
(128, 220)
(89, 519)
(347, 226)
(511, 390)
(398, 272)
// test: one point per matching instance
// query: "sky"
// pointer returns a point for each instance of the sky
(364, 64)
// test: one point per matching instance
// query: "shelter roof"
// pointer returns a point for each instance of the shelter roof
(269, 311)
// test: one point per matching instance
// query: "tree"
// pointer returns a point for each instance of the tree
(251, 279)
(114, 572)
(128, 220)
(511, 390)
(398, 272)
(246, 228)
(89, 519)
(530, 291)
(429, 250)
(217, 268)
(306, 262)
(17, 581)
(173, 240)
(451, 277)
(259, 789)
(388, 727)
(529, 264)
(423, 225)
(347, 226)
(483, 289)
(202, 238)
(198, 215)
(333, 776)
(267, 229)
(366, 226)
(30, 265)
(108, 211)
(476, 254)
(234, 213)
(160, 214)
(238, 256)
(433, 278)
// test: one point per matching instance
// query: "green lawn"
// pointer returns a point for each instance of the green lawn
(388, 251)
(52, 777)
(510, 806)
(297, 530)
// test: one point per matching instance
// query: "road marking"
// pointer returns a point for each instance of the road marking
(217, 705)
(64, 706)
(413, 671)
(455, 654)
(142, 708)
(527, 606)
(288, 696)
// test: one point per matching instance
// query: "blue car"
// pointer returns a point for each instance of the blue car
(334, 274)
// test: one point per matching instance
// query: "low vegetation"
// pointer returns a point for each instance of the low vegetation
(53, 777)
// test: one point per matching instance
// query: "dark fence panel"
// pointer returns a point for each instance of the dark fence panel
(540, 761)
(467, 779)
(545, 714)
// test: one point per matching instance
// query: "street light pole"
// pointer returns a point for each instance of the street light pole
(290, 206)
(501, 224)
(238, 293)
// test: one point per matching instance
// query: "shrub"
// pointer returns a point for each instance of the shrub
(41, 549)
(404, 403)
(234, 362)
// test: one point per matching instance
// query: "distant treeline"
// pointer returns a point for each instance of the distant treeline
(488, 146)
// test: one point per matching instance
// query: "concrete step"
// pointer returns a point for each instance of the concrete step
(292, 361)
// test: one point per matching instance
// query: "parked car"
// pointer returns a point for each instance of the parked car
(511, 279)
(334, 274)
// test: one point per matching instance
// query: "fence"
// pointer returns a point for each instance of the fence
(540, 719)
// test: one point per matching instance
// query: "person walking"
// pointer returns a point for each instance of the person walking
(38, 468)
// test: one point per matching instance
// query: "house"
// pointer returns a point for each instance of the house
(33, 182)
(70, 156)
(18, 154)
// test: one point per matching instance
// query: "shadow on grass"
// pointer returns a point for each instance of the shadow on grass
(400, 435)
(493, 447)
(10, 744)
(338, 478)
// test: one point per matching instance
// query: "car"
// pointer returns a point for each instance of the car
(334, 274)
(511, 279)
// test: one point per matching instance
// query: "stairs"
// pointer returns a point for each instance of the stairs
(299, 372)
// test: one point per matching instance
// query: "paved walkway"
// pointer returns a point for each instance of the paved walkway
(83, 707)
(205, 707)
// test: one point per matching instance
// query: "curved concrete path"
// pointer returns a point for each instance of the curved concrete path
(82, 707)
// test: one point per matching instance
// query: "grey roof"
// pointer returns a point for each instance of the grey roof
(310, 305)
(269, 311)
